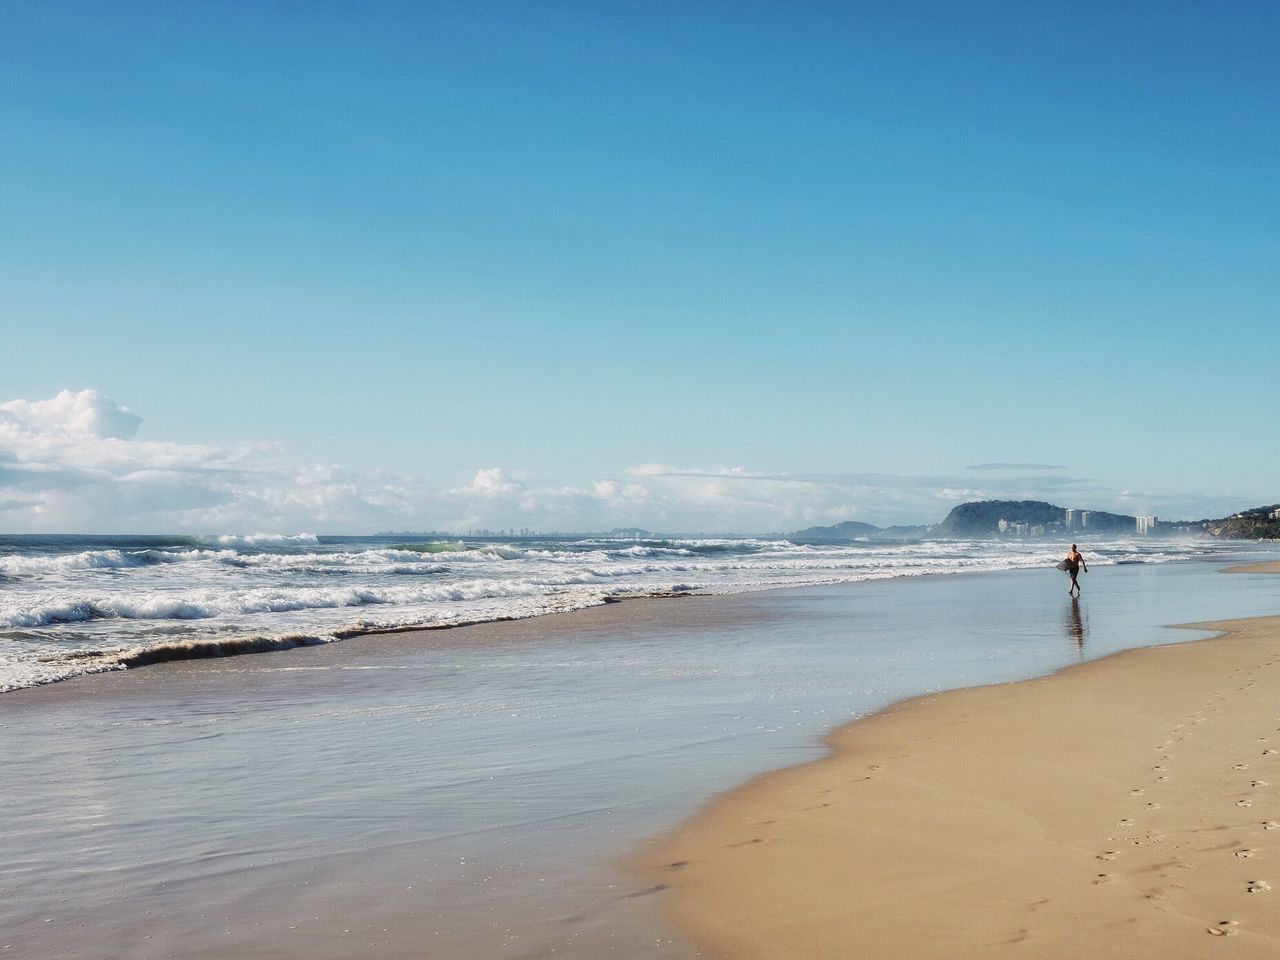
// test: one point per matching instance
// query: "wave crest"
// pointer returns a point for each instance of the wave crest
(266, 539)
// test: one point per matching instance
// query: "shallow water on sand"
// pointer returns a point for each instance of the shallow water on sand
(468, 793)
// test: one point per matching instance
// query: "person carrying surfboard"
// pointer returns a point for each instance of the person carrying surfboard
(1074, 561)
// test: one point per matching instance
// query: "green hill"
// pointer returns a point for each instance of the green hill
(1035, 518)
(848, 530)
(982, 518)
(1260, 523)
(854, 530)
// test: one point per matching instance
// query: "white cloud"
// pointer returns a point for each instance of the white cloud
(70, 464)
(959, 494)
(73, 464)
(86, 413)
(492, 481)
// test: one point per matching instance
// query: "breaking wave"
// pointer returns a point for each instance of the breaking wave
(267, 539)
(71, 605)
(17, 566)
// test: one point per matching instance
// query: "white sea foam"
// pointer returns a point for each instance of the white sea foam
(266, 539)
(17, 565)
(211, 603)
(96, 605)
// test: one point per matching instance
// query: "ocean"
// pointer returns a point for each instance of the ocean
(71, 605)
(470, 793)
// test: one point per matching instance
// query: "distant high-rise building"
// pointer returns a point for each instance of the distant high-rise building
(1003, 525)
(1069, 518)
(1144, 525)
(1084, 519)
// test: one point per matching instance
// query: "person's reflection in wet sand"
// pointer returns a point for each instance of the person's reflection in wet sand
(1075, 624)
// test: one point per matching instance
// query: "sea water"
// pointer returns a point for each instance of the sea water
(468, 794)
(73, 605)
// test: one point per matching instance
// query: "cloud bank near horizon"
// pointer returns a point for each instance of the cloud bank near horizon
(73, 463)
(1017, 466)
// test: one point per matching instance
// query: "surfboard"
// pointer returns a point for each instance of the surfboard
(1063, 565)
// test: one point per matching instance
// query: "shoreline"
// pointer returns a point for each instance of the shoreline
(390, 643)
(180, 651)
(215, 650)
(122, 655)
(1118, 807)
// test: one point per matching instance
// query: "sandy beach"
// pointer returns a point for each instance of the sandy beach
(1125, 807)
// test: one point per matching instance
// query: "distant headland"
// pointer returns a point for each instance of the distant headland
(1034, 519)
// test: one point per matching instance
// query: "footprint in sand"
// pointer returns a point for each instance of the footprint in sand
(1241, 766)
(1161, 779)
(1135, 793)
(1126, 822)
(1271, 825)
(1104, 878)
(656, 888)
(1108, 855)
(1223, 928)
(1258, 886)
(1269, 752)
(1259, 783)
(1244, 854)
(1244, 803)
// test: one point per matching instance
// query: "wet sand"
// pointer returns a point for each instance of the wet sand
(1126, 807)
(321, 802)
(1254, 568)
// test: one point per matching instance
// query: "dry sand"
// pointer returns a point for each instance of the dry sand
(1128, 807)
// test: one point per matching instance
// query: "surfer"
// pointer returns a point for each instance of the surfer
(1074, 561)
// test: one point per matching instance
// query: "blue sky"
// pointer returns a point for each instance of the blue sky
(760, 265)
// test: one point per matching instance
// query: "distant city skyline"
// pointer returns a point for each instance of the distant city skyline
(739, 269)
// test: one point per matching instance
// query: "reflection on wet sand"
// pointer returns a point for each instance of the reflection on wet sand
(1075, 624)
